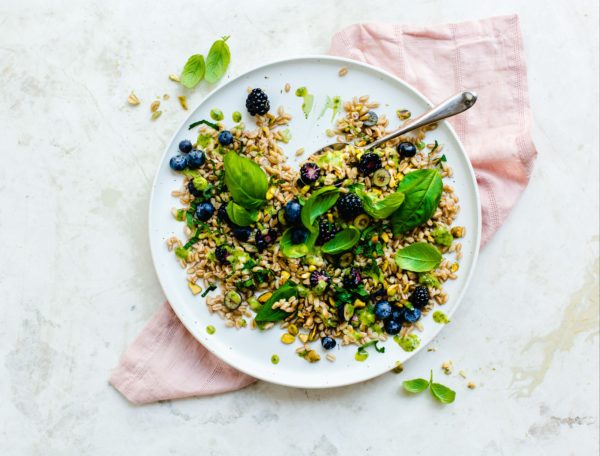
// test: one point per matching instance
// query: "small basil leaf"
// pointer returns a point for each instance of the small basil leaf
(416, 385)
(267, 313)
(217, 60)
(342, 241)
(418, 257)
(291, 250)
(193, 71)
(241, 216)
(203, 122)
(319, 202)
(384, 207)
(442, 393)
(245, 180)
(422, 193)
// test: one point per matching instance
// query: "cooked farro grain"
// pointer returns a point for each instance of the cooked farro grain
(254, 266)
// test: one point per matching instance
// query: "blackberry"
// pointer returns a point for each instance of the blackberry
(222, 214)
(264, 240)
(349, 206)
(221, 254)
(309, 173)
(327, 231)
(352, 279)
(420, 297)
(319, 276)
(369, 163)
(257, 103)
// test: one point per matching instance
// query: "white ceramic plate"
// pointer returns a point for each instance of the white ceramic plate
(250, 350)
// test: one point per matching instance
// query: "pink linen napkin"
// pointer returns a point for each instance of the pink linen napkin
(166, 362)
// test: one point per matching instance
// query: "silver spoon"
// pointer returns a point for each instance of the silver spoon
(454, 105)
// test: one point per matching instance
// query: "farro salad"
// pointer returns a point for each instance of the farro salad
(351, 248)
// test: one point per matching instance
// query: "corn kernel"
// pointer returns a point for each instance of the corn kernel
(391, 291)
(358, 303)
(270, 193)
(284, 277)
(330, 217)
(312, 268)
(194, 288)
(454, 267)
(304, 189)
(385, 237)
(264, 297)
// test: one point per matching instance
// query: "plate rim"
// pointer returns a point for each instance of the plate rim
(307, 57)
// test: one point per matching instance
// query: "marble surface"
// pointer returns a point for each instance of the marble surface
(77, 281)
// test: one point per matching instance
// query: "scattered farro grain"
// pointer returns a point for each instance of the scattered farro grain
(330, 357)
(173, 77)
(447, 367)
(471, 385)
(154, 106)
(287, 87)
(132, 99)
(343, 71)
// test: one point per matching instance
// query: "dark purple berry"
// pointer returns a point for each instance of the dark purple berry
(309, 173)
(349, 206)
(257, 102)
(221, 254)
(407, 149)
(319, 276)
(420, 297)
(369, 163)
(352, 279)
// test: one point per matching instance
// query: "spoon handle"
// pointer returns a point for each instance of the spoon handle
(448, 108)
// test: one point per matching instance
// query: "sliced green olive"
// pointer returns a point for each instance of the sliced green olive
(346, 259)
(361, 222)
(381, 177)
(232, 300)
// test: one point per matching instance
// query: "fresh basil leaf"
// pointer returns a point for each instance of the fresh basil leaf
(442, 393)
(203, 122)
(382, 208)
(342, 241)
(291, 250)
(319, 202)
(217, 60)
(422, 193)
(241, 216)
(245, 180)
(267, 313)
(418, 257)
(193, 71)
(417, 385)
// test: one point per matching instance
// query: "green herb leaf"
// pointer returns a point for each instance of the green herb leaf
(342, 241)
(182, 253)
(203, 122)
(267, 313)
(241, 216)
(331, 157)
(442, 393)
(211, 287)
(384, 207)
(245, 180)
(417, 385)
(217, 60)
(418, 257)
(193, 71)
(372, 270)
(373, 343)
(319, 202)
(422, 193)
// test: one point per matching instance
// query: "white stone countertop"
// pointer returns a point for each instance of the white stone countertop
(77, 282)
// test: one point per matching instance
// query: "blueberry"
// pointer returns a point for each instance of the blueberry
(411, 315)
(407, 149)
(383, 310)
(222, 214)
(392, 326)
(242, 234)
(397, 314)
(204, 211)
(328, 342)
(185, 146)
(292, 212)
(299, 235)
(221, 254)
(225, 138)
(178, 162)
(196, 159)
